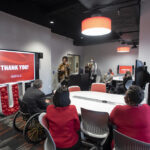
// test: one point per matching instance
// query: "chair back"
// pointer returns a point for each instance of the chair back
(95, 123)
(23, 105)
(128, 84)
(49, 142)
(74, 88)
(98, 87)
(123, 142)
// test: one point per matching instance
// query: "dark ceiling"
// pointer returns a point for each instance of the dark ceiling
(68, 14)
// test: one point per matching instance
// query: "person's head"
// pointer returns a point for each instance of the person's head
(37, 84)
(110, 71)
(65, 59)
(91, 60)
(61, 98)
(128, 74)
(134, 95)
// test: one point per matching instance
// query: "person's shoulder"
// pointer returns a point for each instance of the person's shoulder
(72, 107)
(146, 106)
(50, 107)
(120, 107)
(60, 65)
(30, 89)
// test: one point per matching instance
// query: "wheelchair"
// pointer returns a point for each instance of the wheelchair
(28, 124)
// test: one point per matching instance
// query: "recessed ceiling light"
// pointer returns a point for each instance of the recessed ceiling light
(51, 22)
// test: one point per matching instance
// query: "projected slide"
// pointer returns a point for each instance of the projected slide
(16, 66)
(124, 69)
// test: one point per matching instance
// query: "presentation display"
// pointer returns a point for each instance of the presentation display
(124, 69)
(16, 66)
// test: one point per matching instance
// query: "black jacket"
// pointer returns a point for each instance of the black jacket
(35, 100)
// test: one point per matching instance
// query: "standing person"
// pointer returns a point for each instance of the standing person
(93, 70)
(63, 71)
(35, 99)
(63, 120)
(133, 118)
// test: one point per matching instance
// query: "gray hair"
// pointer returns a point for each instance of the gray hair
(37, 83)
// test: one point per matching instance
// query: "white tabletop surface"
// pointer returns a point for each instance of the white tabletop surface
(96, 101)
(120, 78)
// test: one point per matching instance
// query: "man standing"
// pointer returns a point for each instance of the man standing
(63, 71)
(35, 99)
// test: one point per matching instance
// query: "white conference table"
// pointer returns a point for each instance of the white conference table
(120, 78)
(96, 101)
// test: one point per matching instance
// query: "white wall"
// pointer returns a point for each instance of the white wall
(18, 34)
(144, 46)
(107, 57)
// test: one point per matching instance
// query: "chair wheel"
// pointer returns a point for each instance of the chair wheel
(19, 121)
(33, 131)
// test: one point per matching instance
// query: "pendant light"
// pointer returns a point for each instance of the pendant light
(95, 26)
(124, 49)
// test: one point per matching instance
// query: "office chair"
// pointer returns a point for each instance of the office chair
(94, 126)
(128, 84)
(98, 87)
(74, 88)
(123, 142)
(49, 143)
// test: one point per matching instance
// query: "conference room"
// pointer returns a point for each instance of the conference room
(74, 75)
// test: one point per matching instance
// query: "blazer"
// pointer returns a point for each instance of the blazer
(63, 125)
(133, 121)
(35, 100)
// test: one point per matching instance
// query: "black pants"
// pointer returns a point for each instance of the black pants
(94, 79)
(75, 147)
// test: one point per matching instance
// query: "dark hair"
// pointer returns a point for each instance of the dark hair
(135, 94)
(128, 72)
(37, 83)
(110, 70)
(61, 98)
(65, 57)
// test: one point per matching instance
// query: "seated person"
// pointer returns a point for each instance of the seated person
(121, 87)
(35, 98)
(133, 119)
(63, 121)
(127, 77)
(108, 77)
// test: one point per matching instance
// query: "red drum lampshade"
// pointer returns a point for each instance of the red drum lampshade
(96, 26)
(123, 49)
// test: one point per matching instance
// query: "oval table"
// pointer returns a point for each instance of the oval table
(96, 101)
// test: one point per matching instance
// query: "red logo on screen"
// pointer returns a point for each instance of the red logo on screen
(124, 69)
(16, 66)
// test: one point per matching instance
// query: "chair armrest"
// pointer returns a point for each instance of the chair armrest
(104, 141)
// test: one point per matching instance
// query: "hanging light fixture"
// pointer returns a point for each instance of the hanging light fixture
(96, 26)
(123, 49)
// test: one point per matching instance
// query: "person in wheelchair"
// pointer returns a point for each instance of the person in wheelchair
(35, 99)
(63, 120)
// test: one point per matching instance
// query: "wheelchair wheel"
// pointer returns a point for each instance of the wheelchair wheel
(33, 131)
(19, 121)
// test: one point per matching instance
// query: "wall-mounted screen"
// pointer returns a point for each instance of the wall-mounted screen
(16, 66)
(124, 69)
